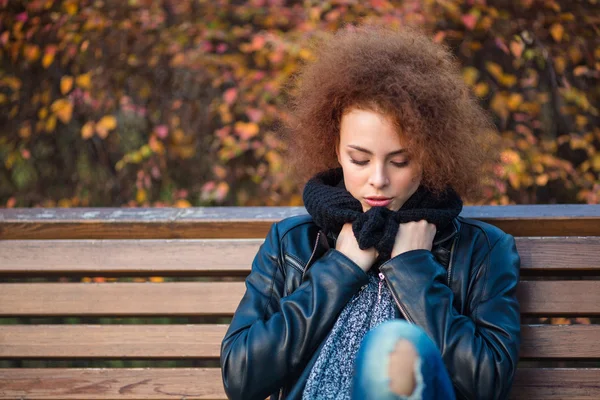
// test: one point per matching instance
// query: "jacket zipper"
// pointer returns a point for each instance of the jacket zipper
(312, 254)
(293, 261)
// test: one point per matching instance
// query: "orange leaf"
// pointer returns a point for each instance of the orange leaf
(63, 109)
(182, 203)
(66, 84)
(84, 81)
(87, 130)
(557, 32)
(517, 48)
(246, 130)
(47, 59)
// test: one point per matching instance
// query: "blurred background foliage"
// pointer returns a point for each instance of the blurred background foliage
(177, 102)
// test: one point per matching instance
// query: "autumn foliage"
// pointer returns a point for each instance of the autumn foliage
(178, 103)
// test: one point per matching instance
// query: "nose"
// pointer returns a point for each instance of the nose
(378, 178)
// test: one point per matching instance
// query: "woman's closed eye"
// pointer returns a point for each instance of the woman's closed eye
(365, 162)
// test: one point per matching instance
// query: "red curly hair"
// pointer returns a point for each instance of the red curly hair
(405, 75)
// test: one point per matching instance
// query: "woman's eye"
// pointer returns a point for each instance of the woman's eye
(400, 164)
(358, 162)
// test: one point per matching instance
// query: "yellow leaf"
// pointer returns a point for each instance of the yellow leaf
(596, 162)
(25, 131)
(470, 75)
(557, 32)
(514, 180)
(50, 124)
(66, 84)
(541, 180)
(499, 105)
(71, 7)
(63, 109)
(581, 121)
(306, 54)
(514, 101)
(108, 122)
(481, 89)
(87, 130)
(508, 80)
(47, 59)
(84, 81)
(43, 113)
(560, 64)
(494, 69)
(141, 196)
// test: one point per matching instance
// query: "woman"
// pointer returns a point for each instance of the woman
(383, 291)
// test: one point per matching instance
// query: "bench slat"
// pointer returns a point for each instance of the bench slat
(206, 384)
(120, 299)
(112, 383)
(556, 384)
(164, 257)
(158, 257)
(111, 341)
(552, 298)
(544, 298)
(254, 222)
(203, 341)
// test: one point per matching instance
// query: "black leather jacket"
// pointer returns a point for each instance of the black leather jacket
(462, 293)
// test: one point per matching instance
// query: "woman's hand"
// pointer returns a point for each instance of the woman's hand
(346, 244)
(413, 236)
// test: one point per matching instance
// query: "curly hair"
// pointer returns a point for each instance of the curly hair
(403, 74)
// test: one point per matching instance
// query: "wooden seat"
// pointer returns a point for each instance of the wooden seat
(118, 273)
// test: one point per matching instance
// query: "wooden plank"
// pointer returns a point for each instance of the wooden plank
(111, 341)
(158, 257)
(544, 298)
(559, 298)
(206, 383)
(254, 222)
(204, 341)
(556, 384)
(107, 384)
(559, 253)
(560, 341)
(121, 299)
(214, 257)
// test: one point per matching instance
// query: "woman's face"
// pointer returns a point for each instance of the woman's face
(377, 169)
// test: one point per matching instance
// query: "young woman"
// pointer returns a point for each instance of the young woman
(383, 291)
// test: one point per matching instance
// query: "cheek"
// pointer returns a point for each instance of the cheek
(408, 181)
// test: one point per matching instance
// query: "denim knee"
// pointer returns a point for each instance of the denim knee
(372, 362)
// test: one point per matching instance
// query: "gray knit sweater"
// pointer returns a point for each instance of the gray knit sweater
(331, 376)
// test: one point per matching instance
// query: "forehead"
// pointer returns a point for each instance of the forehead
(369, 128)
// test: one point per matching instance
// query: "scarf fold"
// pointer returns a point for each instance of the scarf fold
(331, 206)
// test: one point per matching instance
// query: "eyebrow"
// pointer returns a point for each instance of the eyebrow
(362, 149)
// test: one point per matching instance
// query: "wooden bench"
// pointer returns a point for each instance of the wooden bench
(204, 255)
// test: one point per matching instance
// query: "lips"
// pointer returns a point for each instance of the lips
(378, 201)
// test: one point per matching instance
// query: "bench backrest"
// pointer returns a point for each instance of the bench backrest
(63, 292)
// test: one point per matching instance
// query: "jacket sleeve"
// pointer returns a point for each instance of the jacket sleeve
(481, 350)
(261, 349)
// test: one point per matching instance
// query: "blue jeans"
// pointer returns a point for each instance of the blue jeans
(371, 379)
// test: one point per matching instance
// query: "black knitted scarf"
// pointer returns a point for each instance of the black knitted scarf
(331, 206)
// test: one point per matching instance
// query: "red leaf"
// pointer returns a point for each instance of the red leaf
(469, 20)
